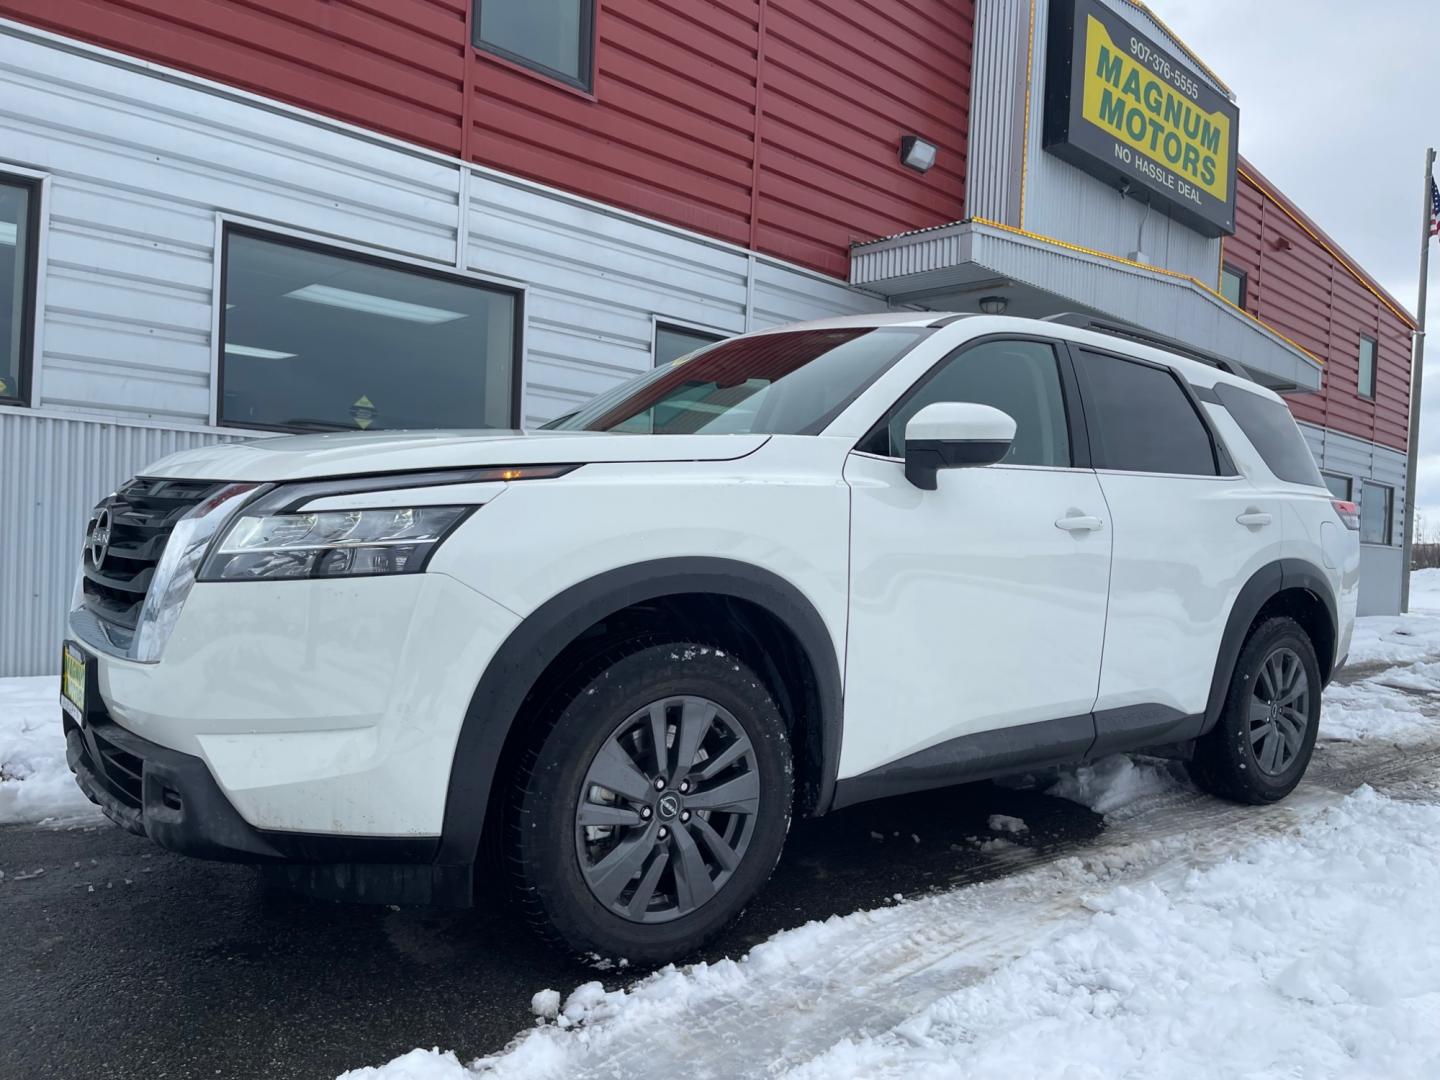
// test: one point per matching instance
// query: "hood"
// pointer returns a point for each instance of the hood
(309, 457)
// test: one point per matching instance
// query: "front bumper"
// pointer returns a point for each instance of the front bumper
(316, 707)
(173, 799)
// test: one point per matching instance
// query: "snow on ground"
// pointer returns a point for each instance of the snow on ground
(1313, 954)
(1192, 939)
(35, 782)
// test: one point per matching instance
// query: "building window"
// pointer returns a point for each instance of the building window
(1377, 512)
(1232, 285)
(553, 37)
(19, 228)
(1342, 487)
(673, 342)
(1366, 379)
(318, 339)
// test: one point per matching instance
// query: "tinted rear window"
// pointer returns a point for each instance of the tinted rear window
(1143, 421)
(1270, 427)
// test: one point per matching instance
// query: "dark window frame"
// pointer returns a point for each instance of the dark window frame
(589, 23)
(29, 293)
(1069, 393)
(1224, 467)
(1374, 366)
(680, 328)
(1330, 474)
(1244, 278)
(517, 382)
(1389, 489)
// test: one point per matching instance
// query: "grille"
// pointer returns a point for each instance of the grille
(141, 515)
(123, 773)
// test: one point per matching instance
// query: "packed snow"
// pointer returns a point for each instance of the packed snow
(35, 782)
(1193, 939)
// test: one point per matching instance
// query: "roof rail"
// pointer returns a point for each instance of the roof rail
(1121, 329)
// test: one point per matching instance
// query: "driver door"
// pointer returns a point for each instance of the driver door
(977, 608)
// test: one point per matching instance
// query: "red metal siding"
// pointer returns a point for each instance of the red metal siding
(1303, 285)
(843, 81)
(774, 124)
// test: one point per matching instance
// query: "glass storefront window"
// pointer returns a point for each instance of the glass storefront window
(17, 279)
(317, 339)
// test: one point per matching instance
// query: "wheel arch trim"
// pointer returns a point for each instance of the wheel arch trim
(1264, 585)
(541, 637)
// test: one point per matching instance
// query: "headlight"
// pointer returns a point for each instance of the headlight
(330, 543)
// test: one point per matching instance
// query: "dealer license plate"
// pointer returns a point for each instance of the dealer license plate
(72, 682)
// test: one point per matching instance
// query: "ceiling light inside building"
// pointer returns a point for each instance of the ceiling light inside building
(7, 233)
(374, 305)
(994, 305)
(916, 153)
(257, 353)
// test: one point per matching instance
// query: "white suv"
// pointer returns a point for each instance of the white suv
(795, 570)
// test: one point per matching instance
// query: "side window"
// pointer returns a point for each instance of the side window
(1021, 378)
(1141, 420)
(1342, 487)
(673, 342)
(1377, 512)
(17, 284)
(1232, 285)
(1273, 432)
(1365, 381)
(552, 37)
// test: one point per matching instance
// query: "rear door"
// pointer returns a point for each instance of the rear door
(979, 606)
(1189, 531)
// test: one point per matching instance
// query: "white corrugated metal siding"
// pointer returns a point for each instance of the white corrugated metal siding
(54, 470)
(143, 165)
(1380, 565)
(997, 110)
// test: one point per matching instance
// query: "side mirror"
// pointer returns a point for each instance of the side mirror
(954, 435)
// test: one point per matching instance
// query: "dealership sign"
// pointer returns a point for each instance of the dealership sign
(1120, 107)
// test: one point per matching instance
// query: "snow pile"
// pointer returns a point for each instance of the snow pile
(1374, 711)
(1115, 781)
(1399, 639)
(1315, 954)
(35, 782)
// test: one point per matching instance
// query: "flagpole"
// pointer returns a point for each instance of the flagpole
(1417, 378)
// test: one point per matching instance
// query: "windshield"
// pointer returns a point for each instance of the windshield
(791, 383)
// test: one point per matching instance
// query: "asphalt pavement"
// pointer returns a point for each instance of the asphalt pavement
(122, 961)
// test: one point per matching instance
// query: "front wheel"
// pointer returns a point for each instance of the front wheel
(657, 805)
(1261, 745)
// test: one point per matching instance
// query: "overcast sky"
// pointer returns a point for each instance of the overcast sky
(1338, 101)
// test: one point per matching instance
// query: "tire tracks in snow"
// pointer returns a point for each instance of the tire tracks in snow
(797, 995)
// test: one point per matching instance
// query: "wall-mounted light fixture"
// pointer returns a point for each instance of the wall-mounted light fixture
(994, 305)
(916, 153)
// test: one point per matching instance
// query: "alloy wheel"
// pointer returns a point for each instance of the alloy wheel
(1279, 711)
(667, 809)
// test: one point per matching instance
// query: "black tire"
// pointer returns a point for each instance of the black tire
(554, 857)
(1237, 760)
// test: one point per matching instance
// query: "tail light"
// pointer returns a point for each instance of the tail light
(1348, 513)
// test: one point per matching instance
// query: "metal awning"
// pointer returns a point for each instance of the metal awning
(951, 267)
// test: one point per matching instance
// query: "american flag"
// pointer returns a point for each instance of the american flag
(1434, 208)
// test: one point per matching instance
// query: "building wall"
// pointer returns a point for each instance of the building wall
(142, 166)
(1367, 462)
(773, 124)
(1302, 284)
(1015, 182)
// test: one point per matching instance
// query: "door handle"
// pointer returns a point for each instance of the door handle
(1254, 519)
(1079, 523)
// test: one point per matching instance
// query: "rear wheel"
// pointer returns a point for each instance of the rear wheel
(1261, 745)
(656, 806)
